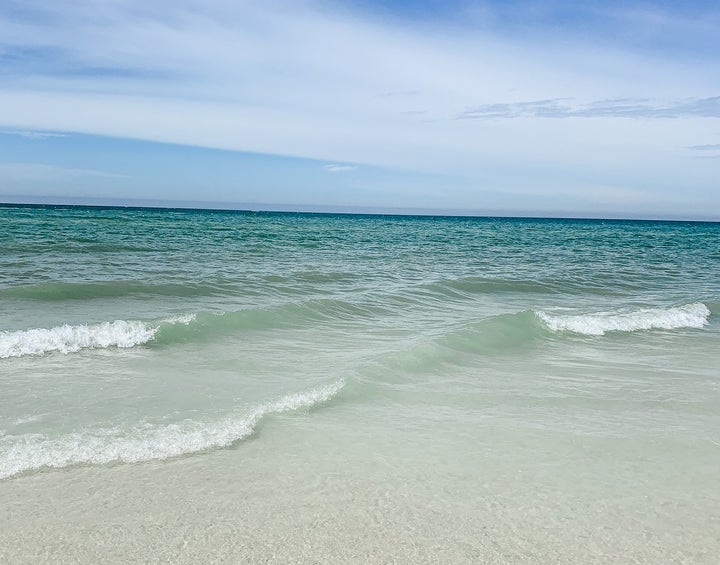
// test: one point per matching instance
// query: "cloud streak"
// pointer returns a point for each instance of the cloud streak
(617, 108)
(336, 168)
(27, 134)
(707, 147)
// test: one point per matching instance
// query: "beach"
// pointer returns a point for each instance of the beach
(194, 386)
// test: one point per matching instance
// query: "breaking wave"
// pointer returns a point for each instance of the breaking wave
(70, 339)
(203, 325)
(687, 316)
(497, 333)
(98, 447)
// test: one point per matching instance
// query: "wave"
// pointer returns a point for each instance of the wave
(316, 312)
(509, 334)
(216, 286)
(713, 306)
(57, 291)
(71, 339)
(471, 287)
(193, 327)
(483, 285)
(500, 335)
(110, 445)
(693, 315)
(497, 334)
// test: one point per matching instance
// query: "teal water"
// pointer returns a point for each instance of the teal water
(335, 388)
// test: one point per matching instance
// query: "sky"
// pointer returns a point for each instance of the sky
(492, 107)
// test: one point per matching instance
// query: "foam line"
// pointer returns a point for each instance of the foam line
(687, 316)
(70, 339)
(19, 454)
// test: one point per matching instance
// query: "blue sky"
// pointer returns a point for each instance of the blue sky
(556, 108)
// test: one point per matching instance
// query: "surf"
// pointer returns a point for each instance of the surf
(21, 454)
(67, 338)
(694, 315)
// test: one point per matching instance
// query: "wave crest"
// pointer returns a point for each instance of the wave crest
(687, 316)
(33, 452)
(70, 339)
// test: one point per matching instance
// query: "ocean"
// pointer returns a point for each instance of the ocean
(194, 386)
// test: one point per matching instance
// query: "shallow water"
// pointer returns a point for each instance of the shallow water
(196, 386)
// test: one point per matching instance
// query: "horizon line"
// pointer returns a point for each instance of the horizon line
(16, 201)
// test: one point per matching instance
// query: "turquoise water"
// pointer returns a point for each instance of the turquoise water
(333, 388)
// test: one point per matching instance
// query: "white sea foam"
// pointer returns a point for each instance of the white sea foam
(19, 454)
(687, 316)
(184, 319)
(70, 339)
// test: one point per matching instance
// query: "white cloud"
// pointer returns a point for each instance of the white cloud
(27, 134)
(335, 168)
(706, 147)
(618, 108)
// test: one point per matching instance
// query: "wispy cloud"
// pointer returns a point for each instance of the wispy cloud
(614, 108)
(28, 134)
(706, 151)
(707, 147)
(336, 168)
